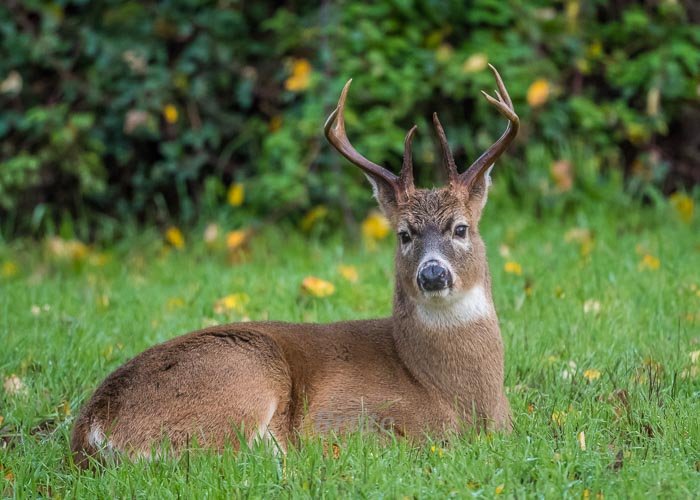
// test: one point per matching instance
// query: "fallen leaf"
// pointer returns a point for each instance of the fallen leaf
(317, 287)
(235, 239)
(512, 267)
(475, 63)
(232, 302)
(174, 303)
(174, 237)
(211, 234)
(316, 214)
(349, 273)
(170, 113)
(649, 262)
(591, 306)
(581, 438)
(301, 76)
(591, 374)
(13, 385)
(236, 194)
(683, 205)
(538, 93)
(375, 226)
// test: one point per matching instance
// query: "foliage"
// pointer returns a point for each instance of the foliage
(150, 110)
(601, 326)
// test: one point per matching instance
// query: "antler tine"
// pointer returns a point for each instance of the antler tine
(448, 160)
(406, 175)
(335, 133)
(504, 105)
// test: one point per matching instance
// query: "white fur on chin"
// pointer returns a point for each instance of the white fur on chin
(470, 306)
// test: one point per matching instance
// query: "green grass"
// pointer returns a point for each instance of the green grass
(640, 418)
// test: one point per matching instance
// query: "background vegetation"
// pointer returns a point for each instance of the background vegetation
(117, 111)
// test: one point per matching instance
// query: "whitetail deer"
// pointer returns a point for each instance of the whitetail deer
(431, 368)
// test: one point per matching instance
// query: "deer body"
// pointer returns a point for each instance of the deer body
(433, 367)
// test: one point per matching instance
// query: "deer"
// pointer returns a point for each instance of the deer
(434, 367)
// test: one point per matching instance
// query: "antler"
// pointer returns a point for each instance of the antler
(336, 135)
(448, 160)
(504, 106)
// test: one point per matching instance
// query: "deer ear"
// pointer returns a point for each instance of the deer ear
(479, 191)
(385, 195)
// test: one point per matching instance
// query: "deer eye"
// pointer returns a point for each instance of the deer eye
(461, 231)
(405, 237)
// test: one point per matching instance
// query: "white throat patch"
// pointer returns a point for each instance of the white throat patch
(471, 306)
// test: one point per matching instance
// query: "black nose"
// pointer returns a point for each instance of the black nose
(434, 277)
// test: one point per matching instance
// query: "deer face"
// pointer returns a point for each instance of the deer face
(439, 253)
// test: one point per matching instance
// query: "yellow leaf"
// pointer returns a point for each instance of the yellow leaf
(170, 113)
(174, 303)
(174, 236)
(559, 417)
(9, 269)
(67, 249)
(2, 419)
(499, 489)
(317, 287)
(475, 63)
(375, 226)
(512, 267)
(64, 408)
(581, 440)
(314, 215)
(538, 93)
(349, 273)
(232, 302)
(301, 76)
(591, 374)
(236, 194)
(695, 356)
(683, 205)
(649, 262)
(234, 239)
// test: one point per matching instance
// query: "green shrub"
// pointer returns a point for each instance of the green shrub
(144, 110)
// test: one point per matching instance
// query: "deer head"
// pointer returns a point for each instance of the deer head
(440, 255)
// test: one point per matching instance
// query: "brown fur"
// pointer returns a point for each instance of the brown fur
(279, 379)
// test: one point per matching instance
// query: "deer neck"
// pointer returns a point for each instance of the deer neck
(453, 347)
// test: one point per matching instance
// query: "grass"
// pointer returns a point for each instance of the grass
(599, 332)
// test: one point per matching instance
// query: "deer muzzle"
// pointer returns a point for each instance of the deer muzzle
(433, 276)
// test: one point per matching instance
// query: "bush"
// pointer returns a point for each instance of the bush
(141, 110)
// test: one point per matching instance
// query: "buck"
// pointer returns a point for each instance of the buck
(434, 367)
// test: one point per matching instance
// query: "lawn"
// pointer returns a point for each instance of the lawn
(599, 310)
